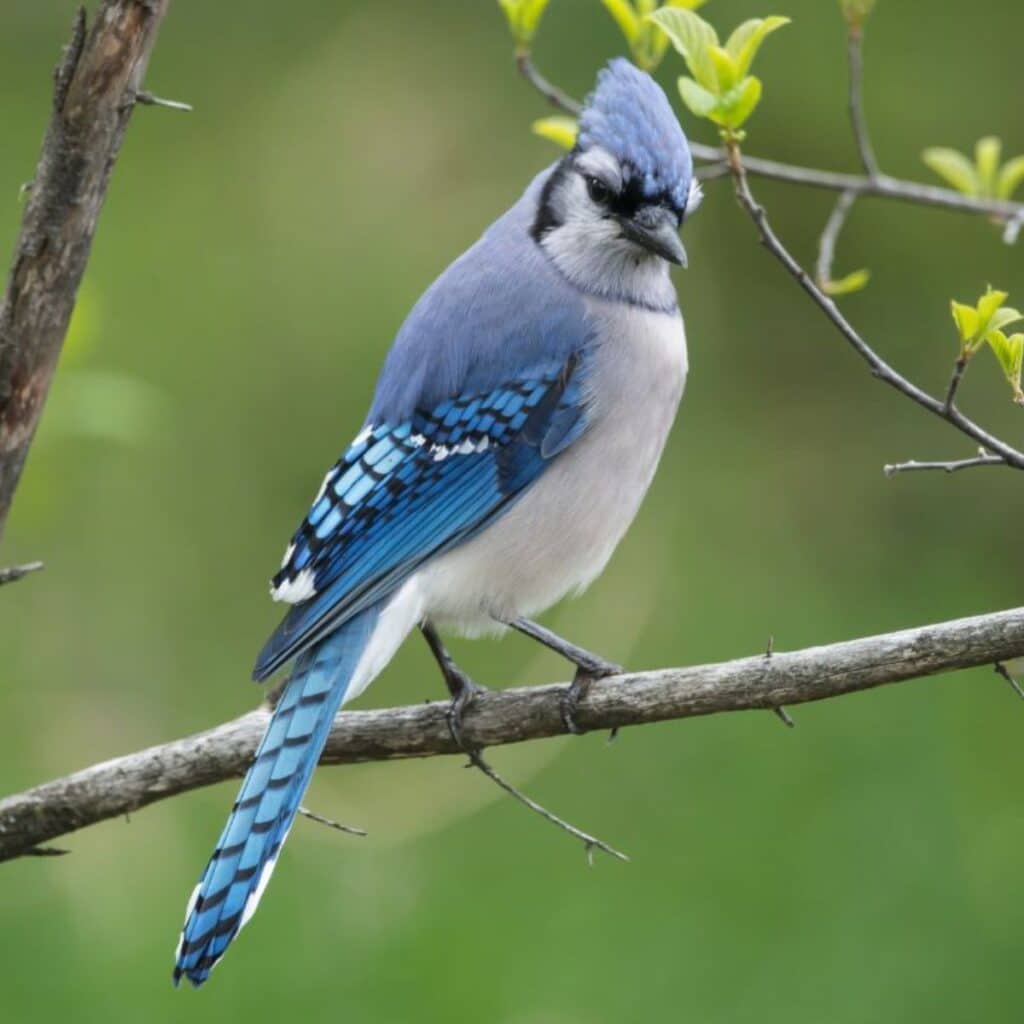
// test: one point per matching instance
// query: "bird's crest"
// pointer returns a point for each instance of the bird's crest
(628, 114)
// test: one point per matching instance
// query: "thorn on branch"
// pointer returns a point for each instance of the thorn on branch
(147, 99)
(1003, 671)
(46, 851)
(784, 717)
(331, 823)
(16, 572)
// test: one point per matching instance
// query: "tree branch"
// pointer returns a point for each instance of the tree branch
(881, 186)
(879, 367)
(830, 237)
(16, 572)
(855, 101)
(116, 787)
(96, 85)
(981, 459)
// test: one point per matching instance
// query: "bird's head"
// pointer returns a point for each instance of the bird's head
(615, 203)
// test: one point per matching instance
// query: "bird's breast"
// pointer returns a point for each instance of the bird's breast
(561, 533)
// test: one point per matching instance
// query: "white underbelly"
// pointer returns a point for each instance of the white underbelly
(562, 532)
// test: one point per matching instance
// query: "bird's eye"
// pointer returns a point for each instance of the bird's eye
(598, 191)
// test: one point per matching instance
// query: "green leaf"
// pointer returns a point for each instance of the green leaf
(856, 11)
(987, 307)
(987, 153)
(625, 17)
(746, 40)
(693, 37)
(853, 282)
(966, 319)
(725, 68)
(1003, 318)
(954, 168)
(737, 105)
(560, 130)
(699, 101)
(1010, 178)
(1010, 354)
(523, 18)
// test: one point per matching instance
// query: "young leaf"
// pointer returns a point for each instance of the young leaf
(699, 101)
(1010, 353)
(853, 282)
(737, 105)
(966, 319)
(725, 68)
(560, 130)
(1010, 178)
(856, 11)
(693, 37)
(954, 168)
(625, 17)
(987, 152)
(523, 17)
(746, 40)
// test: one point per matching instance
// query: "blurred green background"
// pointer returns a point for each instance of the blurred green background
(252, 264)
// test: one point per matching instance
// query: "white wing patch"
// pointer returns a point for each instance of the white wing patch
(466, 447)
(298, 588)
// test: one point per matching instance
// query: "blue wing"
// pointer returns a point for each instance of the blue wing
(404, 492)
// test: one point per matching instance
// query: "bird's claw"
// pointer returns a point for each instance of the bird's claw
(577, 690)
(464, 692)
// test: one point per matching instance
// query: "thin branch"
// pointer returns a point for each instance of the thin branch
(879, 367)
(125, 784)
(946, 467)
(563, 101)
(331, 823)
(830, 236)
(1002, 670)
(959, 369)
(855, 55)
(16, 572)
(147, 99)
(590, 843)
(99, 70)
(881, 187)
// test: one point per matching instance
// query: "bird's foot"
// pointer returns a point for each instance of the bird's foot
(577, 690)
(464, 691)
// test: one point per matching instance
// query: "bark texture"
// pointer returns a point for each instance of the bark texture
(96, 83)
(125, 784)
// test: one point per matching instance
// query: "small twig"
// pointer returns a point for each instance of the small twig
(46, 851)
(784, 716)
(879, 367)
(554, 95)
(855, 54)
(1012, 230)
(147, 99)
(1003, 671)
(982, 459)
(16, 572)
(590, 842)
(959, 368)
(830, 236)
(331, 823)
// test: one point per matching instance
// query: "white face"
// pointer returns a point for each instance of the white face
(587, 242)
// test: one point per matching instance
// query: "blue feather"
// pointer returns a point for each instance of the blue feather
(240, 867)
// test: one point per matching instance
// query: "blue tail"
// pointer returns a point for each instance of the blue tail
(241, 865)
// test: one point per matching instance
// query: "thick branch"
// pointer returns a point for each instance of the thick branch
(96, 84)
(116, 787)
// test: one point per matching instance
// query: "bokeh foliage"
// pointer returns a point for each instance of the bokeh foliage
(253, 261)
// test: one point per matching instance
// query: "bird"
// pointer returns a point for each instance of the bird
(516, 425)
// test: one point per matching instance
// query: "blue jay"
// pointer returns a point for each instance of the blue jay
(515, 428)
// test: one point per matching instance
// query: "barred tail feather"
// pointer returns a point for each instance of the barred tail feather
(241, 865)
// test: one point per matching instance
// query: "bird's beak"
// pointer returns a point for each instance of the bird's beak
(654, 228)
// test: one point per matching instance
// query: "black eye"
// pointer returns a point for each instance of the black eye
(598, 191)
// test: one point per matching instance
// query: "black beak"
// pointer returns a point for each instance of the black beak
(654, 228)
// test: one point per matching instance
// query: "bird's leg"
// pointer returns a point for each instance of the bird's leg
(589, 666)
(460, 686)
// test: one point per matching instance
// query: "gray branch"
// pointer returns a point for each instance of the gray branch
(880, 186)
(115, 788)
(96, 85)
